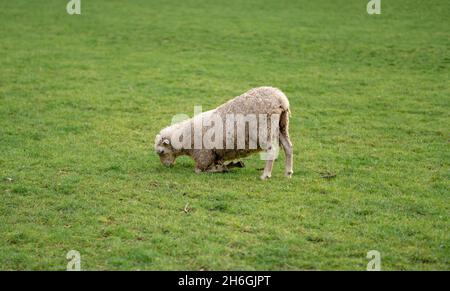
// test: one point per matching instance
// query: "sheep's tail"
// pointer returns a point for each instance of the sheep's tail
(284, 122)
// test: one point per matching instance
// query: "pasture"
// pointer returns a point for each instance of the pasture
(83, 96)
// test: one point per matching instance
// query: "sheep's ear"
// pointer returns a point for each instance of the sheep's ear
(166, 141)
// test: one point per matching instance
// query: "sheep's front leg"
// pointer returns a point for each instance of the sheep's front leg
(238, 164)
(212, 169)
(217, 168)
(204, 160)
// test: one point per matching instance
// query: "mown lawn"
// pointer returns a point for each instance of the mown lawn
(82, 97)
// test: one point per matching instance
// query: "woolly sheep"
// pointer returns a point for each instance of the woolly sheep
(266, 102)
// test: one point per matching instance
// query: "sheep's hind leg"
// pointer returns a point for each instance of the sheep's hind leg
(267, 170)
(269, 156)
(287, 146)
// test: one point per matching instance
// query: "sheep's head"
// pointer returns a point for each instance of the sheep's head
(165, 151)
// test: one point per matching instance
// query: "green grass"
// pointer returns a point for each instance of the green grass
(82, 97)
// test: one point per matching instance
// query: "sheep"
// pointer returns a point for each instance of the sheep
(214, 147)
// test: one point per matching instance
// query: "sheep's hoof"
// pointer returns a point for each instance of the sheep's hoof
(289, 174)
(264, 177)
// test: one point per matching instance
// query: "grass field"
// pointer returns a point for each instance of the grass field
(82, 97)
